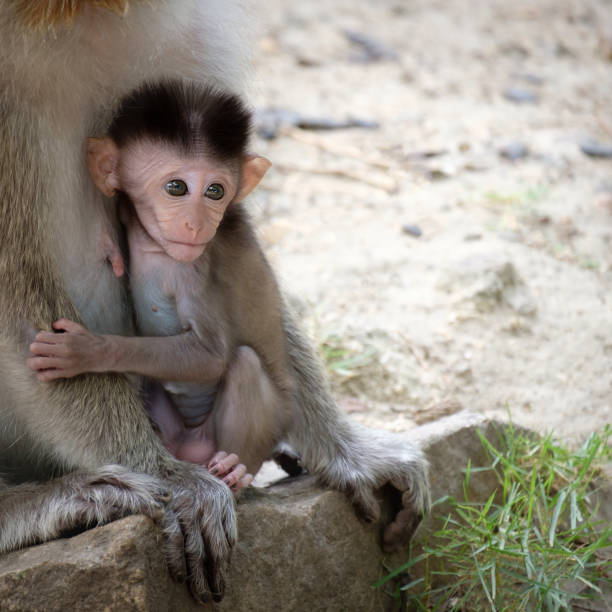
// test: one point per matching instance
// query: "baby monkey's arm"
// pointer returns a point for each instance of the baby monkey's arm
(182, 358)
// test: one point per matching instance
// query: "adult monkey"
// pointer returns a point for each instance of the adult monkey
(62, 67)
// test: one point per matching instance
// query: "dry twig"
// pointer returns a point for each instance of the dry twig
(386, 183)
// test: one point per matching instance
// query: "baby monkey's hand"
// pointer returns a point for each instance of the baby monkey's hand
(64, 355)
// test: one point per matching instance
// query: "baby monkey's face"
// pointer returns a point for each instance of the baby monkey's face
(180, 201)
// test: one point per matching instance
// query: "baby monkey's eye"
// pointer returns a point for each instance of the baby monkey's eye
(176, 187)
(215, 191)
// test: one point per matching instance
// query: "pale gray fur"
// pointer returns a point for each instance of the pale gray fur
(56, 88)
(45, 511)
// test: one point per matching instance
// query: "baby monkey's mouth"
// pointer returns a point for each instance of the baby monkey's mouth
(185, 252)
(188, 244)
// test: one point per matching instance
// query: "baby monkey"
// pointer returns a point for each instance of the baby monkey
(211, 346)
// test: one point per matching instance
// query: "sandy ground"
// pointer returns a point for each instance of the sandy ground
(503, 303)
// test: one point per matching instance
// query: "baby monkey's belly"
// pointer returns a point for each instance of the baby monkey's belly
(192, 400)
(157, 315)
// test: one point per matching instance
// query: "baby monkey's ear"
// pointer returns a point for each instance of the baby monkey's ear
(103, 163)
(253, 169)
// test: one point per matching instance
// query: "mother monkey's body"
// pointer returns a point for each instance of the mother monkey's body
(57, 87)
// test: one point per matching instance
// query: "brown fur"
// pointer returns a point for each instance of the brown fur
(38, 14)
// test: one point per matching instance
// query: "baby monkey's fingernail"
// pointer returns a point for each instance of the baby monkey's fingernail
(214, 470)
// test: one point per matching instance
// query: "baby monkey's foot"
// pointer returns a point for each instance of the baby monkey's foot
(229, 469)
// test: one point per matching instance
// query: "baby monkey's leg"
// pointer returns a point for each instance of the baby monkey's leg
(250, 411)
(240, 433)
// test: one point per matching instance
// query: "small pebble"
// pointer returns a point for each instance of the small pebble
(520, 95)
(593, 148)
(514, 49)
(562, 50)
(529, 77)
(472, 236)
(412, 230)
(605, 185)
(324, 123)
(437, 174)
(463, 370)
(269, 120)
(372, 50)
(510, 236)
(308, 61)
(514, 151)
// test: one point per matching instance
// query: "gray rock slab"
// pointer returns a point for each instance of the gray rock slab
(301, 547)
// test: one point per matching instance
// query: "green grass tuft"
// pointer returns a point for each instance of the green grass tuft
(534, 544)
(344, 361)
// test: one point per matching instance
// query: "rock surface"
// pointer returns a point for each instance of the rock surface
(301, 548)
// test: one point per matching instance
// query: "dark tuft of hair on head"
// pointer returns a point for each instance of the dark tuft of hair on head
(195, 119)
